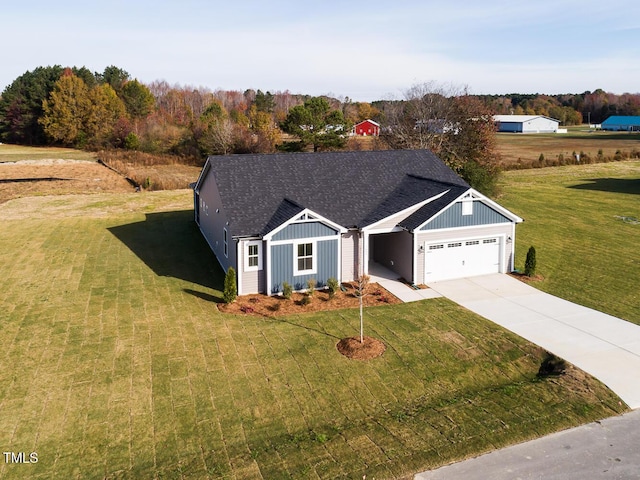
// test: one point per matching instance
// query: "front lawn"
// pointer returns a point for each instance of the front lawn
(117, 363)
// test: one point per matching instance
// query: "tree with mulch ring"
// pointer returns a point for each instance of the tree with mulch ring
(369, 348)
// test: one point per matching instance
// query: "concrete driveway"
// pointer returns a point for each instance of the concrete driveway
(604, 346)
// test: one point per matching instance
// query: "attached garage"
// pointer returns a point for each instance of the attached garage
(459, 258)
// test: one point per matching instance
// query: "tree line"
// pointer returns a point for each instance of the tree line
(111, 110)
(75, 107)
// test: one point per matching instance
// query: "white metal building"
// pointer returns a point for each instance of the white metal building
(526, 123)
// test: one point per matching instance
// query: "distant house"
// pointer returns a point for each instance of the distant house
(619, 123)
(291, 217)
(367, 128)
(526, 123)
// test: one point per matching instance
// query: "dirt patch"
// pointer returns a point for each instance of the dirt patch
(353, 348)
(275, 306)
(27, 178)
(527, 279)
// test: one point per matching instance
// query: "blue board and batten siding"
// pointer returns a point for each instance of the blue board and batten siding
(296, 231)
(282, 265)
(453, 218)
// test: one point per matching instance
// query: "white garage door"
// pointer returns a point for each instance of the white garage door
(461, 258)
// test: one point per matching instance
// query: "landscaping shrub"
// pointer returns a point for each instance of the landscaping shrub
(333, 286)
(230, 291)
(311, 286)
(305, 300)
(530, 262)
(276, 306)
(552, 365)
(287, 290)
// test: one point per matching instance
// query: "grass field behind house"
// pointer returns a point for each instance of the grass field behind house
(116, 363)
(525, 150)
(583, 221)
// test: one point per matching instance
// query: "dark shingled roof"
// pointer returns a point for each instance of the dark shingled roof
(353, 189)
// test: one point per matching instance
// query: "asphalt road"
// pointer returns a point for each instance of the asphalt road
(604, 450)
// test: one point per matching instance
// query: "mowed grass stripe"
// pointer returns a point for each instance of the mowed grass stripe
(133, 373)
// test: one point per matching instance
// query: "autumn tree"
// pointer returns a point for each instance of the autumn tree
(66, 110)
(316, 125)
(103, 116)
(215, 134)
(456, 126)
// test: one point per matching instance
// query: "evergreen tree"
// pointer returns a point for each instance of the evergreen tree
(316, 125)
(230, 291)
(21, 106)
(138, 99)
(530, 262)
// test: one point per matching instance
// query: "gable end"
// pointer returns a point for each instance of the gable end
(453, 217)
(304, 230)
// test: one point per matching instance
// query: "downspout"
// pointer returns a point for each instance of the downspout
(414, 259)
(239, 267)
(267, 267)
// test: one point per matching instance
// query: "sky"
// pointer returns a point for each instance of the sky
(366, 51)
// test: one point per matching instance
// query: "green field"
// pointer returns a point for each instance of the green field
(117, 363)
(582, 220)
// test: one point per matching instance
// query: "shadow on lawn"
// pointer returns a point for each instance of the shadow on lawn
(171, 245)
(614, 185)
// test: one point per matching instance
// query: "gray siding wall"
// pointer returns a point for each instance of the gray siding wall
(350, 253)
(282, 265)
(395, 252)
(304, 230)
(468, 233)
(212, 223)
(452, 217)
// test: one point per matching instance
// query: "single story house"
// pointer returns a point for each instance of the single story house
(290, 217)
(526, 123)
(366, 128)
(620, 123)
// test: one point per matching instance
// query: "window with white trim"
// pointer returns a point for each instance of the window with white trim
(226, 242)
(304, 259)
(253, 256)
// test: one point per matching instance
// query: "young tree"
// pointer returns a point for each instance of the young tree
(362, 283)
(316, 125)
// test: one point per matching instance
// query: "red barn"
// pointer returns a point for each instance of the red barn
(367, 128)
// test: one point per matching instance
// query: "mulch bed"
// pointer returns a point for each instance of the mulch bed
(525, 278)
(369, 348)
(277, 306)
